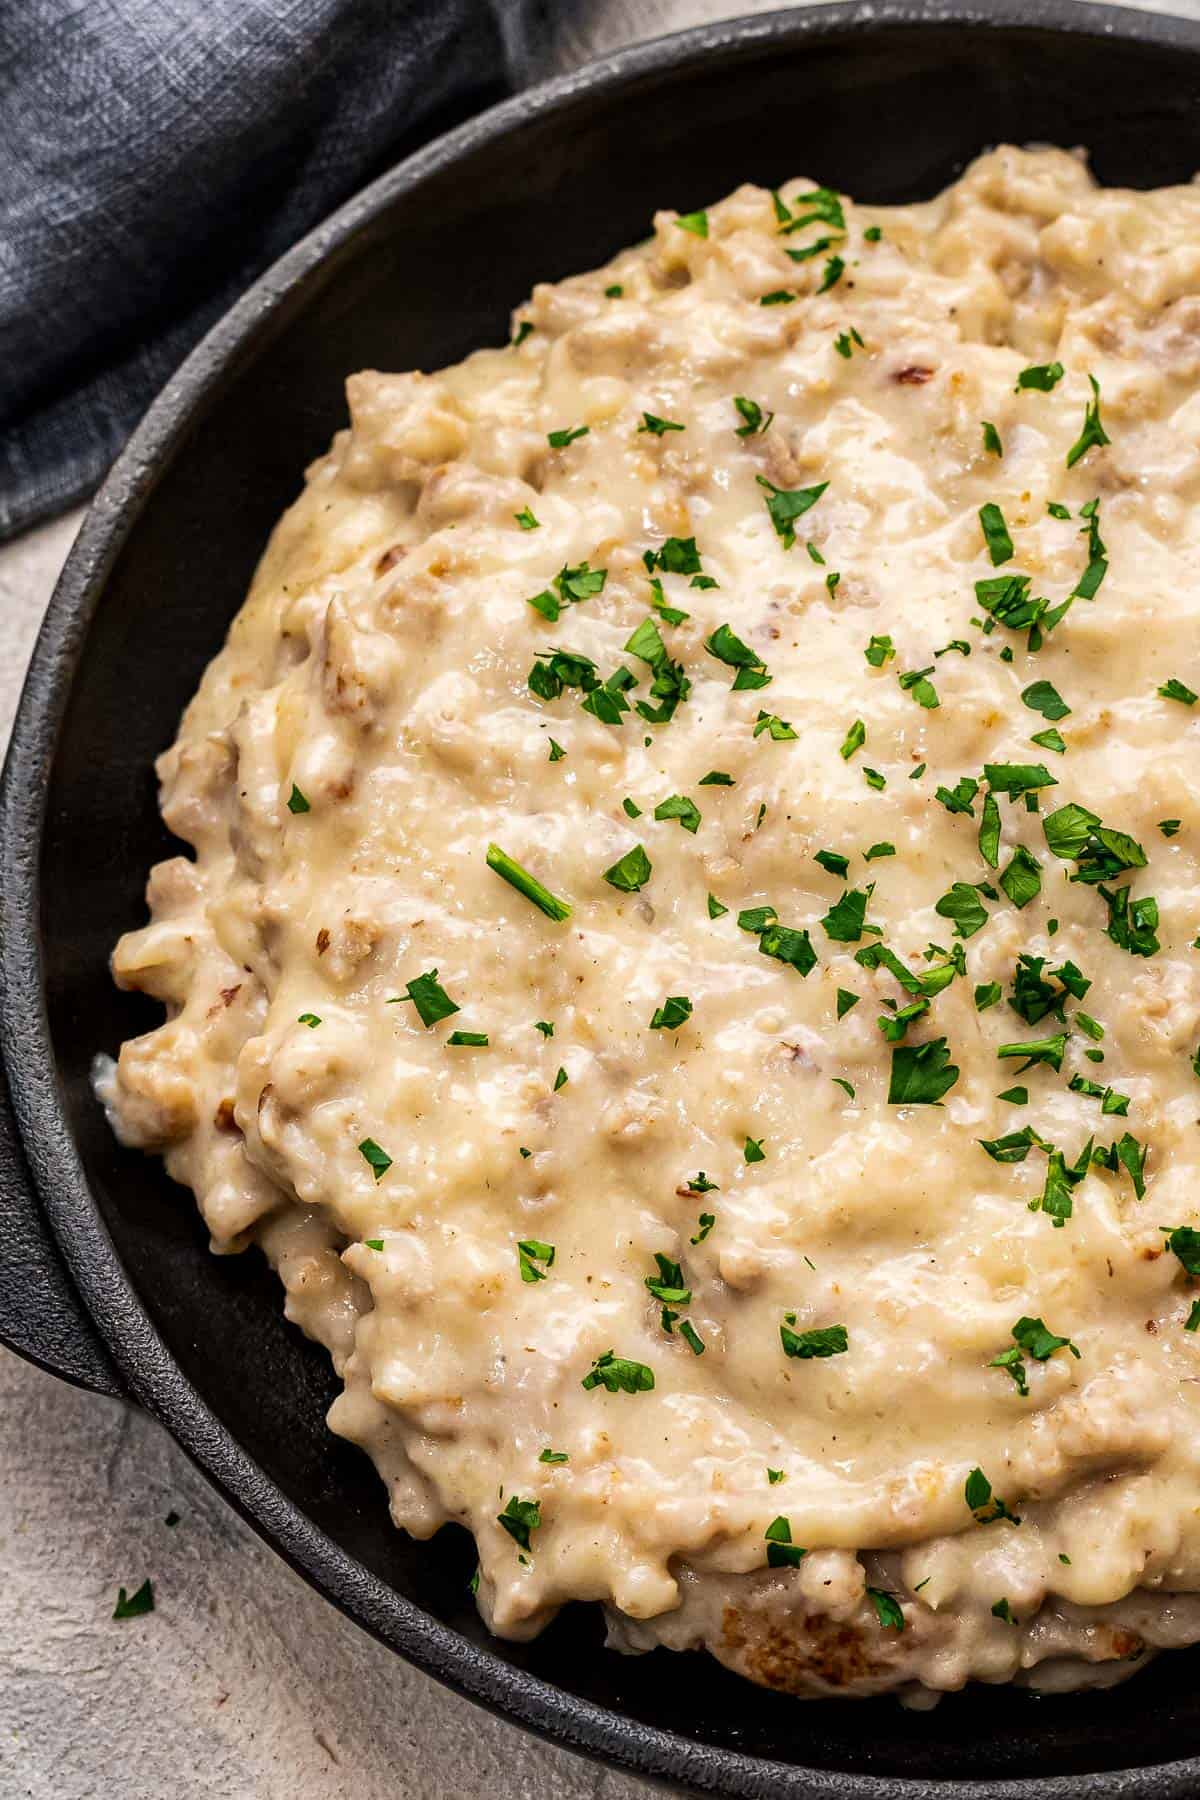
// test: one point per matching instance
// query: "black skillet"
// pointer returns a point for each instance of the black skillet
(104, 1273)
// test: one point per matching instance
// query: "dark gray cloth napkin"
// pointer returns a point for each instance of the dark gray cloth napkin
(155, 155)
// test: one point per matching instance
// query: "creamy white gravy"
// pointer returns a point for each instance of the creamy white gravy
(370, 729)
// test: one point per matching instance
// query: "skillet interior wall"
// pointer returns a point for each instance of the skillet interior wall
(888, 115)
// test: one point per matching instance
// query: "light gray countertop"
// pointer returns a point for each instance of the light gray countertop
(243, 1684)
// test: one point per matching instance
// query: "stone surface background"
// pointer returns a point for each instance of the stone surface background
(243, 1684)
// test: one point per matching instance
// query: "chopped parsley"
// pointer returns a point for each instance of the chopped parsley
(695, 222)
(556, 751)
(1132, 924)
(529, 1254)
(1169, 827)
(874, 779)
(1002, 1610)
(1041, 376)
(519, 1519)
(1175, 690)
(777, 297)
(964, 908)
(631, 872)
(833, 860)
(845, 341)
(774, 1477)
(614, 292)
(781, 1552)
(846, 1000)
(1048, 1050)
(878, 850)
(429, 997)
(986, 1506)
(526, 520)
(1015, 779)
(524, 328)
(776, 728)
(922, 690)
(921, 1073)
(656, 426)
(675, 1011)
(558, 440)
(880, 650)
(1092, 435)
(618, 1375)
(786, 505)
(855, 738)
(297, 802)
(788, 945)
(1033, 1338)
(705, 1222)
(995, 533)
(987, 993)
(678, 806)
(716, 778)
(668, 1286)
(475, 1040)
(887, 1609)
(835, 268)
(373, 1243)
(1022, 879)
(378, 1159)
(1050, 739)
(553, 1456)
(728, 648)
(561, 1080)
(312, 1020)
(844, 920)
(511, 871)
(135, 1605)
(753, 1151)
(715, 909)
(1043, 697)
(755, 420)
(823, 1341)
(991, 439)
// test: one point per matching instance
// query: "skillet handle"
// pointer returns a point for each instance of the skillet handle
(41, 1317)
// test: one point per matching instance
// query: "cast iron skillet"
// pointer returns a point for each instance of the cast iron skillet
(105, 1275)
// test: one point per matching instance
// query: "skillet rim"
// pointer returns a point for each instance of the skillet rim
(79, 1232)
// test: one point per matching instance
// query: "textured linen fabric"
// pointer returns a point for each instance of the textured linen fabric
(156, 155)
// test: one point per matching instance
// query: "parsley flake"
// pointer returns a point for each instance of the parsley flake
(675, 1011)
(825, 1340)
(558, 440)
(921, 1073)
(786, 505)
(756, 421)
(781, 1552)
(519, 1519)
(995, 533)
(656, 426)
(631, 872)
(378, 1159)
(529, 1254)
(618, 1375)
(135, 1605)
(1093, 434)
